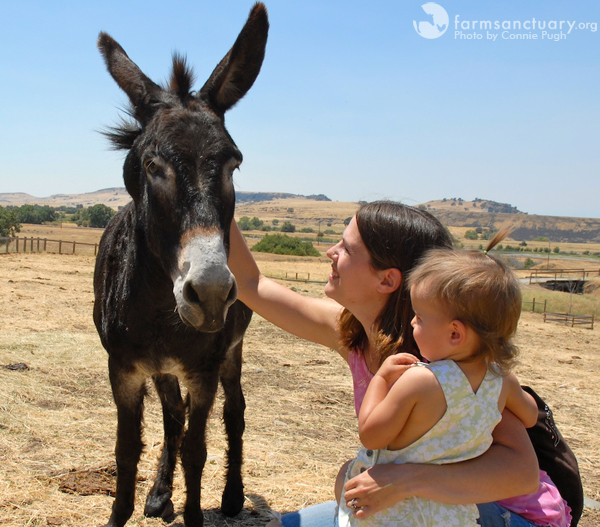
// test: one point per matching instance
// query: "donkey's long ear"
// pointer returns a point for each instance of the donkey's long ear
(238, 70)
(142, 92)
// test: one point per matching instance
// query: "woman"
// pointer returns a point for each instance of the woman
(365, 318)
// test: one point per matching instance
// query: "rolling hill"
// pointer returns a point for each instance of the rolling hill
(320, 209)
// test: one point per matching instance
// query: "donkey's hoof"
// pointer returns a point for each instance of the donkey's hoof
(232, 502)
(159, 506)
(193, 517)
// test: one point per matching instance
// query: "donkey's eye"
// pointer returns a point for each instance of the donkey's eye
(151, 167)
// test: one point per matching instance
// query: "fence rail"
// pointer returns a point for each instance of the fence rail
(535, 304)
(293, 276)
(572, 320)
(44, 245)
(545, 274)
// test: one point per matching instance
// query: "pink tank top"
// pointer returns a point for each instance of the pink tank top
(544, 507)
(361, 377)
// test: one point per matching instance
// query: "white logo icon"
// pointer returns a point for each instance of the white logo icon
(440, 21)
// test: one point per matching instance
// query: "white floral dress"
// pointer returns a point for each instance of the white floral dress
(464, 432)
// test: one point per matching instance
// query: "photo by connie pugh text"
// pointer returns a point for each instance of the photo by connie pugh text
(555, 30)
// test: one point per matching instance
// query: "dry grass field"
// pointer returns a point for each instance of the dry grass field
(57, 418)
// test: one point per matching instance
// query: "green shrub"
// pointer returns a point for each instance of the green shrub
(9, 223)
(247, 224)
(288, 227)
(283, 244)
(528, 264)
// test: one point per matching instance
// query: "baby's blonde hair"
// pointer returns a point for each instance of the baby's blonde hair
(479, 290)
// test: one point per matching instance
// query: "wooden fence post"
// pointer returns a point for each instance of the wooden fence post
(73, 247)
(59, 246)
(45, 242)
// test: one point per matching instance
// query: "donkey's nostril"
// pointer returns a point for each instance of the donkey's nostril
(189, 294)
(232, 296)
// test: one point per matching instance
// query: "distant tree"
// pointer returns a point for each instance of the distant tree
(528, 264)
(288, 227)
(99, 215)
(36, 214)
(9, 224)
(523, 243)
(283, 244)
(471, 235)
(244, 223)
(556, 250)
(275, 222)
(256, 224)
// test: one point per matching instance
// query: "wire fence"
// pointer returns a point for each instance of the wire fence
(44, 245)
(24, 244)
(570, 320)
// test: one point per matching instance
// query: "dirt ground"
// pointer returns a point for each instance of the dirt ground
(57, 418)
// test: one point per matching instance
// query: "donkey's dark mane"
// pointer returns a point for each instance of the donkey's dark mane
(182, 78)
(124, 134)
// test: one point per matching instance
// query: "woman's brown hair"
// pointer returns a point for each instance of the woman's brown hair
(397, 236)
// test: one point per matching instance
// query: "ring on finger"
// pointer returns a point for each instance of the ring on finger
(353, 505)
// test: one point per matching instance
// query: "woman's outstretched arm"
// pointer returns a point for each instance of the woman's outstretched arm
(509, 468)
(313, 319)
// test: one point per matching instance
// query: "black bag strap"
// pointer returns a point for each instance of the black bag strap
(556, 458)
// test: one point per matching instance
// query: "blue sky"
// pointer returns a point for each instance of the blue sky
(351, 102)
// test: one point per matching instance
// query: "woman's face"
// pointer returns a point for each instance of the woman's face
(353, 280)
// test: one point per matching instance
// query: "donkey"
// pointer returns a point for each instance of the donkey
(165, 300)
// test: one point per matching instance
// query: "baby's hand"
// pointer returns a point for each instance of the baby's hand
(395, 365)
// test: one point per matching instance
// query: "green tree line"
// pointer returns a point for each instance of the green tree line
(12, 217)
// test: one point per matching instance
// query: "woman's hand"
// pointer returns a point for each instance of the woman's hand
(508, 468)
(376, 489)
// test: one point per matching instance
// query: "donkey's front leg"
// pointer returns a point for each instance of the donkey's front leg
(232, 501)
(128, 392)
(158, 502)
(202, 389)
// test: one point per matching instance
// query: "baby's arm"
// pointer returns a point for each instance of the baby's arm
(519, 402)
(385, 411)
